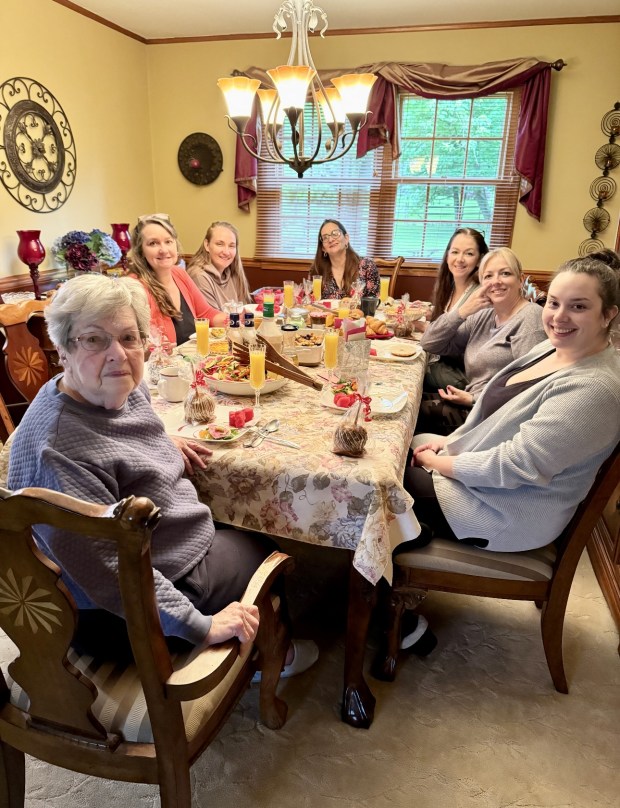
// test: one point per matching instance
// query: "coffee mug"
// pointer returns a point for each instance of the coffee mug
(171, 386)
(369, 306)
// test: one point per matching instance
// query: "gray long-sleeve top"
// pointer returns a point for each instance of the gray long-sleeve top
(102, 456)
(520, 474)
(484, 348)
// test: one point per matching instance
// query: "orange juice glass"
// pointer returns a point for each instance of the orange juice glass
(289, 294)
(202, 335)
(317, 287)
(384, 284)
(257, 371)
(330, 348)
(343, 312)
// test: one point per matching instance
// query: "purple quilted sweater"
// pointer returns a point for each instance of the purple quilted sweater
(102, 456)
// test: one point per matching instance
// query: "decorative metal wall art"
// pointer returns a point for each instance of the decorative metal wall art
(38, 159)
(200, 158)
(604, 187)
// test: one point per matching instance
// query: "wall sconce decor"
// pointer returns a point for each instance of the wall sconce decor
(604, 187)
(37, 151)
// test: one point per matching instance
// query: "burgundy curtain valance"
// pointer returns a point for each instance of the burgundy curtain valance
(439, 81)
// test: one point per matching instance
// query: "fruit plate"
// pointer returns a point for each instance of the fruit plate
(243, 388)
(389, 335)
(384, 353)
(384, 401)
(233, 437)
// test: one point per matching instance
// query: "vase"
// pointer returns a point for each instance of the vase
(31, 252)
(120, 234)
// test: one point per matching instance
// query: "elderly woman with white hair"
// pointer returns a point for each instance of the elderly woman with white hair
(491, 328)
(91, 432)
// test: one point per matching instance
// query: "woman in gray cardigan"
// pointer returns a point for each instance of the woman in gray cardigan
(512, 476)
(489, 329)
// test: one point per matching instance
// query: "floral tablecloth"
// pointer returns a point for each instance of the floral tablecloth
(310, 494)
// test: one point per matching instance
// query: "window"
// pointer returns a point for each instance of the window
(455, 169)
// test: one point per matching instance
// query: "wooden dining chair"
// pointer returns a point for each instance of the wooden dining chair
(390, 267)
(144, 722)
(25, 369)
(544, 576)
(7, 427)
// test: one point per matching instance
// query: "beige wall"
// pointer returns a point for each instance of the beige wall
(581, 94)
(100, 79)
(131, 105)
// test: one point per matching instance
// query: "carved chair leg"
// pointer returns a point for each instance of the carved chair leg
(12, 777)
(272, 641)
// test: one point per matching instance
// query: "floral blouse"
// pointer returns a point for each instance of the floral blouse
(368, 273)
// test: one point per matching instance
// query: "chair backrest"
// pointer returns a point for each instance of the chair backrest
(390, 267)
(580, 528)
(25, 361)
(39, 614)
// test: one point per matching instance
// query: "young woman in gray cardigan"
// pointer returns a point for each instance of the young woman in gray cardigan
(491, 328)
(512, 476)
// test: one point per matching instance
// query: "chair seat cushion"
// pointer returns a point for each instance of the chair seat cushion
(120, 705)
(450, 556)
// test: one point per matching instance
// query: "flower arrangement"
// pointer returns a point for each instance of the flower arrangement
(84, 251)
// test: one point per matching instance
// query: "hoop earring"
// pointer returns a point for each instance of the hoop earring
(324, 254)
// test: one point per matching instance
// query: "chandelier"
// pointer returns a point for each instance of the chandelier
(293, 84)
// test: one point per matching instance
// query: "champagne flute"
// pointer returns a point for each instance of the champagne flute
(202, 335)
(330, 350)
(384, 285)
(257, 372)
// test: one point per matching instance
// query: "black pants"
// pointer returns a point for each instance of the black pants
(439, 417)
(219, 579)
(419, 483)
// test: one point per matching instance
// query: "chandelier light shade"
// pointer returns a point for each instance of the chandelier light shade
(294, 84)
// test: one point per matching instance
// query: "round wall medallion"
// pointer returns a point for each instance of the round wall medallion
(200, 158)
(37, 152)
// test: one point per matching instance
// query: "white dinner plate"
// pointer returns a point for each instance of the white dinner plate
(243, 388)
(384, 353)
(239, 433)
(384, 402)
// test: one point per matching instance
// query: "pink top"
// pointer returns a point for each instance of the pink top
(193, 297)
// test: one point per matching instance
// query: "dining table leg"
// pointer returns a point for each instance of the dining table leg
(358, 702)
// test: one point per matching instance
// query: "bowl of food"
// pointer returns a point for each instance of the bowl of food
(309, 345)
(226, 375)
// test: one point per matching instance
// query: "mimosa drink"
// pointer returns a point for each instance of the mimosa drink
(202, 336)
(257, 371)
(317, 282)
(289, 294)
(344, 311)
(383, 289)
(330, 350)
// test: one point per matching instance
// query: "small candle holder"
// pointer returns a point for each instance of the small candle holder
(31, 252)
(120, 234)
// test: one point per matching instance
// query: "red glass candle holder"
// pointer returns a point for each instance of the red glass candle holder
(120, 234)
(31, 252)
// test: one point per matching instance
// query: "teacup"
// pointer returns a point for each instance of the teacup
(171, 386)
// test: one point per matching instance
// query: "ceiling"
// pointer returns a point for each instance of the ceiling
(167, 19)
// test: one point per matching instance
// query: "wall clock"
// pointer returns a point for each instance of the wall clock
(38, 161)
(200, 158)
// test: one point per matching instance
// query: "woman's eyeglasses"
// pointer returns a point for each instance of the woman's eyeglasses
(98, 341)
(334, 234)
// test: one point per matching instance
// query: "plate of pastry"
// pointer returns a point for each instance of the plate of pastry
(398, 352)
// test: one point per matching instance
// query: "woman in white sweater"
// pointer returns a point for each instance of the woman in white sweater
(512, 476)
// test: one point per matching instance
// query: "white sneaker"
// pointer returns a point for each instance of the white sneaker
(305, 654)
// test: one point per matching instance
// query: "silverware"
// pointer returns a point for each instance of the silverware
(265, 434)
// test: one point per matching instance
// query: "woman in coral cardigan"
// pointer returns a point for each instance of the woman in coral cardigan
(174, 298)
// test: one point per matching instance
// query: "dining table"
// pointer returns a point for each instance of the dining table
(310, 494)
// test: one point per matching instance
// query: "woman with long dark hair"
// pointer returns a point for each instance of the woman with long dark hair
(339, 265)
